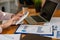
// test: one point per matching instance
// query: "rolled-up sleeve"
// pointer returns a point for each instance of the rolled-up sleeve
(5, 15)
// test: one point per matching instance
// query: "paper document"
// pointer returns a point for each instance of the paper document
(55, 21)
(10, 37)
(34, 29)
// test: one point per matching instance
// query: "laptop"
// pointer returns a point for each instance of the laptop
(45, 15)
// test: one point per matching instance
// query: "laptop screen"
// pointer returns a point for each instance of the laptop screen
(48, 9)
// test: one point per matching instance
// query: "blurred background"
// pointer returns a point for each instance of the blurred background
(10, 5)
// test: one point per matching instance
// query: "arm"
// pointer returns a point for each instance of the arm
(6, 25)
(10, 22)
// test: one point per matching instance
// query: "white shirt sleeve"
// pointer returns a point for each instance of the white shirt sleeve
(0, 30)
(5, 15)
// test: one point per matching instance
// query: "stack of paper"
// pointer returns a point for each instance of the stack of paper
(35, 29)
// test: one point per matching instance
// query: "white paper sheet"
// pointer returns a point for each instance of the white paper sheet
(10, 36)
(35, 29)
(55, 21)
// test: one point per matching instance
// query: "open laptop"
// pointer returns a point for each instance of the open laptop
(45, 15)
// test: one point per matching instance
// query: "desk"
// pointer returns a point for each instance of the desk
(12, 29)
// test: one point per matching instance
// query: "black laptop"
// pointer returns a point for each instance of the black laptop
(45, 15)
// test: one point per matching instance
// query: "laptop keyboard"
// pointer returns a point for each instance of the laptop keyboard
(38, 19)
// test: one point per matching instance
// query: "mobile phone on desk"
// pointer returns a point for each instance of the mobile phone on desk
(22, 18)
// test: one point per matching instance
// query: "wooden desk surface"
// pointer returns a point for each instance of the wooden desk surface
(12, 29)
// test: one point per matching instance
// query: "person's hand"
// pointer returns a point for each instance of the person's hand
(17, 17)
(7, 24)
(10, 22)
